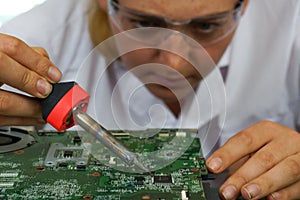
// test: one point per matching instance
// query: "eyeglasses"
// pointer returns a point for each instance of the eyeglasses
(205, 30)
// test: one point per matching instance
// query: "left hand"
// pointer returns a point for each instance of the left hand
(268, 155)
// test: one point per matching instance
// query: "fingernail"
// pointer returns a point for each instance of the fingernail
(54, 74)
(229, 192)
(44, 88)
(251, 191)
(275, 195)
(215, 164)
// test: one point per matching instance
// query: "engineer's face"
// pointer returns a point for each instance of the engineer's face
(178, 11)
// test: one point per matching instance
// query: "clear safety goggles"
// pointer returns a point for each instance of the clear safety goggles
(205, 30)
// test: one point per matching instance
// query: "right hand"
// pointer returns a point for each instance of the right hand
(27, 69)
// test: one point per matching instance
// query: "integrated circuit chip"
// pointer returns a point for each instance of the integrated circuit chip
(139, 180)
(167, 179)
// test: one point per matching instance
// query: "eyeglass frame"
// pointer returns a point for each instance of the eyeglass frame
(114, 6)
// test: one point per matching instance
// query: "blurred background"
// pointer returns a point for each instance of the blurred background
(11, 8)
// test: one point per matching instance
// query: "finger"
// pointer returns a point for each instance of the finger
(28, 57)
(282, 175)
(17, 76)
(12, 104)
(20, 121)
(242, 144)
(262, 161)
(41, 51)
(291, 192)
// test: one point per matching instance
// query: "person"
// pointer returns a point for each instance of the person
(257, 40)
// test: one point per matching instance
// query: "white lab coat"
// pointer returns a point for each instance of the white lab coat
(262, 82)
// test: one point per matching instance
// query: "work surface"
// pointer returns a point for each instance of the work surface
(71, 165)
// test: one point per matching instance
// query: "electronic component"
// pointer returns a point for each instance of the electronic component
(163, 179)
(184, 195)
(57, 168)
(139, 180)
(14, 139)
(60, 155)
(77, 139)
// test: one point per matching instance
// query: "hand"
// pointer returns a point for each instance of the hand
(266, 162)
(29, 70)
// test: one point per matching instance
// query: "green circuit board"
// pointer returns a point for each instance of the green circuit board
(63, 165)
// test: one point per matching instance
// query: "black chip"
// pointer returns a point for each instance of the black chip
(63, 164)
(163, 179)
(68, 154)
(81, 167)
(139, 180)
(77, 139)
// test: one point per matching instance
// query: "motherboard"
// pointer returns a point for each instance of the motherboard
(68, 165)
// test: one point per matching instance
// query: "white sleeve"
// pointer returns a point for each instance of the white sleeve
(294, 77)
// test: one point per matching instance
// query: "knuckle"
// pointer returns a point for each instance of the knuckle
(240, 179)
(12, 46)
(4, 103)
(41, 51)
(292, 167)
(245, 137)
(267, 159)
(26, 79)
(43, 65)
(266, 123)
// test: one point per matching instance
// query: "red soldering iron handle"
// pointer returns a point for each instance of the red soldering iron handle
(57, 107)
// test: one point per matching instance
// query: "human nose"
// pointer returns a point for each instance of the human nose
(175, 51)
